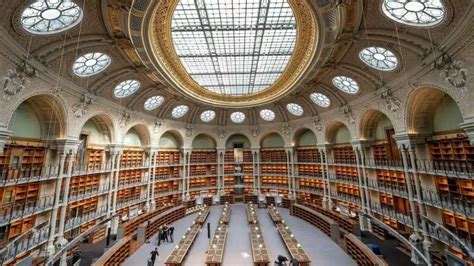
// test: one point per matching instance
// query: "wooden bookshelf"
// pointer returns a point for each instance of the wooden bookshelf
(304, 197)
(346, 172)
(455, 188)
(344, 154)
(131, 176)
(167, 157)
(309, 170)
(322, 222)
(277, 181)
(22, 160)
(452, 151)
(278, 169)
(272, 155)
(132, 158)
(459, 224)
(83, 183)
(348, 189)
(166, 186)
(94, 158)
(360, 253)
(308, 155)
(310, 183)
(128, 194)
(81, 207)
(203, 156)
(248, 158)
(392, 179)
(19, 227)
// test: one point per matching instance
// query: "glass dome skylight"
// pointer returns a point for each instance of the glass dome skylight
(320, 99)
(346, 84)
(234, 47)
(179, 111)
(208, 116)
(295, 109)
(153, 102)
(126, 88)
(50, 16)
(420, 13)
(90, 64)
(237, 117)
(267, 115)
(379, 58)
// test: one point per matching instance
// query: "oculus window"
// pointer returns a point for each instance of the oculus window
(346, 84)
(179, 111)
(91, 64)
(267, 115)
(126, 88)
(50, 16)
(295, 109)
(320, 99)
(419, 13)
(208, 116)
(237, 117)
(153, 102)
(234, 47)
(379, 58)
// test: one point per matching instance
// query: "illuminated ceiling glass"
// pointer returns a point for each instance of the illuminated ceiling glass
(126, 88)
(295, 109)
(208, 116)
(420, 13)
(234, 47)
(346, 84)
(267, 115)
(50, 16)
(179, 111)
(320, 99)
(237, 117)
(153, 102)
(90, 64)
(379, 58)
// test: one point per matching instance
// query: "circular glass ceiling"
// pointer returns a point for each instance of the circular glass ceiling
(234, 47)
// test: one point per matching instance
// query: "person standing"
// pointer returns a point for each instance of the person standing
(165, 233)
(154, 254)
(171, 231)
(160, 234)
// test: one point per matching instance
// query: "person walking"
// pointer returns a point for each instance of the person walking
(171, 231)
(154, 254)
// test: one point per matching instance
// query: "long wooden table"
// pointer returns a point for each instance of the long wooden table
(260, 254)
(274, 215)
(215, 252)
(225, 215)
(296, 250)
(179, 253)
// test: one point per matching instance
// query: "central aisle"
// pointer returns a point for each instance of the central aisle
(275, 245)
(237, 247)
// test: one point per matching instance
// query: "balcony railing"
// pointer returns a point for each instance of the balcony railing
(28, 242)
(15, 211)
(400, 191)
(88, 192)
(132, 201)
(78, 221)
(446, 167)
(460, 206)
(12, 175)
(402, 218)
(91, 168)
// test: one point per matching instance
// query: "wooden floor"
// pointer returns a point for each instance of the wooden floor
(321, 249)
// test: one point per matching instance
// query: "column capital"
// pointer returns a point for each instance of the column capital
(66, 145)
(116, 148)
(152, 149)
(361, 143)
(409, 140)
(4, 136)
(468, 126)
(324, 146)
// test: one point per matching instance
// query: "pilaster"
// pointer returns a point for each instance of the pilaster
(468, 126)
(4, 136)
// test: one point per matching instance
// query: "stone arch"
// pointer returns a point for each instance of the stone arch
(332, 130)
(142, 131)
(51, 114)
(103, 122)
(302, 132)
(422, 104)
(206, 141)
(369, 121)
(239, 137)
(277, 137)
(174, 134)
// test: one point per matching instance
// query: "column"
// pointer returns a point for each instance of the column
(4, 135)
(256, 168)
(291, 175)
(110, 182)
(220, 170)
(323, 151)
(365, 224)
(187, 172)
(152, 177)
(54, 212)
(424, 227)
(116, 175)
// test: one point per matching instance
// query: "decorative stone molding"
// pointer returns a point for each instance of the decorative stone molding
(452, 71)
(286, 130)
(125, 118)
(189, 130)
(255, 132)
(221, 133)
(391, 103)
(17, 79)
(157, 126)
(81, 108)
(349, 114)
(317, 123)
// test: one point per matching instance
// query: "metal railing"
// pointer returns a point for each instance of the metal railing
(15, 211)
(78, 221)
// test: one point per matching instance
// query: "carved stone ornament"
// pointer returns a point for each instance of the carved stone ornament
(189, 130)
(221, 133)
(81, 108)
(393, 104)
(348, 113)
(452, 71)
(16, 80)
(317, 123)
(286, 129)
(255, 132)
(157, 126)
(125, 119)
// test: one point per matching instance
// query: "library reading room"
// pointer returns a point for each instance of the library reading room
(237, 132)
